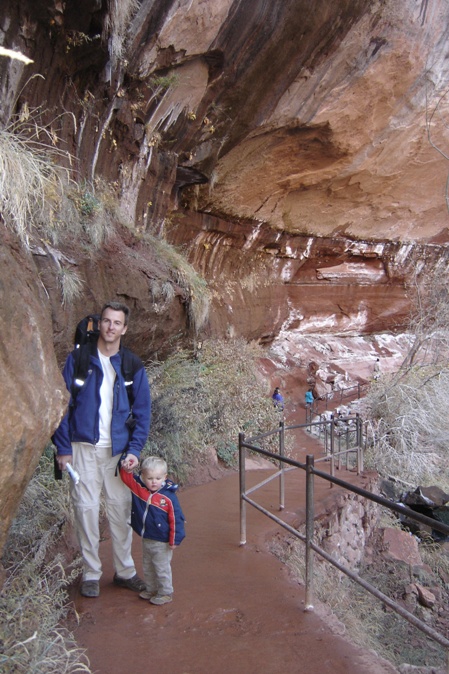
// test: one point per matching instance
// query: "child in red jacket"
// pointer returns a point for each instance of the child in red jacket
(156, 516)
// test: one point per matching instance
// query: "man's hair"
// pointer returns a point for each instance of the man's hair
(116, 306)
(154, 463)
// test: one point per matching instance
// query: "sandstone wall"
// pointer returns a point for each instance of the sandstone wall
(32, 394)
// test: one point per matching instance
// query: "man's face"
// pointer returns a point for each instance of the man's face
(112, 326)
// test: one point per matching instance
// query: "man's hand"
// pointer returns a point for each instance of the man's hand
(129, 463)
(62, 460)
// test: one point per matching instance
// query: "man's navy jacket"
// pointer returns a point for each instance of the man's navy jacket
(81, 423)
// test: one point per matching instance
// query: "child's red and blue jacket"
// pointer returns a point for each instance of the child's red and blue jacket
(155, 515)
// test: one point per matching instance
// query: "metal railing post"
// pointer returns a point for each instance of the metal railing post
(339, 447)
(360, 443)
(281, 466)
(310, 516)
(332, 446)
(357, 445)
(242, 482)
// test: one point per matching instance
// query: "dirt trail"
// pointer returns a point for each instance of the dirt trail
(235, 609)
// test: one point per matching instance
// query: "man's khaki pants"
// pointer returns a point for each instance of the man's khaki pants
(97, 469)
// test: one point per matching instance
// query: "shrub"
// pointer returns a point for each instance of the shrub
(409, 424)
(407, 410)
(203, 401)
(163, 81)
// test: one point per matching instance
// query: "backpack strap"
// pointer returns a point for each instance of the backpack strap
(81, 358)
(131, 364)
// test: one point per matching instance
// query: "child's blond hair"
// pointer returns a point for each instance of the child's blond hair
(154, 463)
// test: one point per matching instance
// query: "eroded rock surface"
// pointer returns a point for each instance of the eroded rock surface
(32, 394)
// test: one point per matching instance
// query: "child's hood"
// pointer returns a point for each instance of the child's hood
(169, 485)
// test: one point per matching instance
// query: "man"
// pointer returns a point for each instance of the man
(92, 437)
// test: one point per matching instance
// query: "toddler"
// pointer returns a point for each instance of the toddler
(156, 516)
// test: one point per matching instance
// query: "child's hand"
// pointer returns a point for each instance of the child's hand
(129, 463)
(172, 547)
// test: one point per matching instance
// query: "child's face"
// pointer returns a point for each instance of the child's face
(153, 479)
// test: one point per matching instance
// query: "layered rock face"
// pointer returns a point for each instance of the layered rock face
(266, 282)
(323, 121)
(297, 150)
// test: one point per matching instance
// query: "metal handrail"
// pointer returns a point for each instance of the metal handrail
(311, 547)
(347, 392)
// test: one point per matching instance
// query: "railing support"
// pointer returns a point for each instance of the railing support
(360, 424)
(310, 515)
(281, 466)
(358, 440)
(332, 448)
(242, 481)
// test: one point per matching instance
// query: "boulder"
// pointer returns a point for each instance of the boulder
(400, 546)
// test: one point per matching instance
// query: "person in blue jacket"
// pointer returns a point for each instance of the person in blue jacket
(309, 398)
(91, 437)
(278, 400)
(156, 516)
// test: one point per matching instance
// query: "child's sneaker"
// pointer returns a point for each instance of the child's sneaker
(159, 600)
(146, 595)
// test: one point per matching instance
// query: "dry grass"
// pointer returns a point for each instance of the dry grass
(30, 186)
(116, 25)
(71, 285)
(39, 197)
(34, 600)
(197, 296)
(39, 201)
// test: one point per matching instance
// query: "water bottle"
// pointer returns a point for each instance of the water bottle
(72, 472)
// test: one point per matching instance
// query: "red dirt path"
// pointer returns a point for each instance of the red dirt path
(235, 608)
